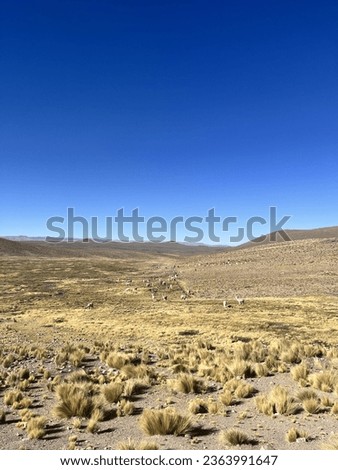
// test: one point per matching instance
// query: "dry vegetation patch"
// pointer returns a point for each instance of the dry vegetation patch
(104, 373)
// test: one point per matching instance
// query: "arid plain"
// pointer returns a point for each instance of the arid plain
(113, 346)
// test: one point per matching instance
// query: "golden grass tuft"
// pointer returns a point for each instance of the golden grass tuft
(25, 402)
(325, 381)
(112, 392)
(331, 444)
(8, 361)
(226, 398)
(261, 370)
(93, 423)
(244, 390)
(76, 423)
(293, 434)
(76, 357)
(36, 427)
(276, 402)
(13, 396)
(326, 402)
(307, 394)
(26, 415)
(186, 383)
(234, 437)
(299, 372)
(78, 376)
(130, 371)
(200, 406)
(2, 416)
(241, 368)
(23, 385)
(135, 386)
(167, 421)
(311, 405)
(130, 444)
(125, 408)
(72, 441)
(75, 400)
(116, 360)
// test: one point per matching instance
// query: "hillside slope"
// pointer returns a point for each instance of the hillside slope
(297, 268)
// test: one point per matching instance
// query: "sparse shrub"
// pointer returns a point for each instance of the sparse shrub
(290, 357)
(264, 405)
(199, 406)
(245, 390)
(221, 375)
(311, 405)
(261, 370)
(325, 381)
(75, 400)
(299, 372)
(130, 444)
(8, 361)
(293, 434)
(277, 401)
(76, 357)
(306, 394)
(135, 386)
(234, 437)
(331, 444)
(72, 441)
(12, 379)
(125, 408)
(167, 421)
(78, 376)
(177, 368)
(112, 392)
(130, 371)
(243, 415)
(92, 425)
(326, 402)
(52, 384)
(239, 388)
(36, 427)
(214, 407)
(226, 397)
(282, 368)
(23, 385)
(13, 396)
(272, 363)
(61, 358)
(25, 402)
(116, 360)
(186, 383)
(242, 350)
(26, 415)
(76, 422)
(241, 368)
(232, 384)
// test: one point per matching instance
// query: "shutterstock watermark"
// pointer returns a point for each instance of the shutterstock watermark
(136, 228)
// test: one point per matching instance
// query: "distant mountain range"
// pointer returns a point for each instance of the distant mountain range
(24, 245)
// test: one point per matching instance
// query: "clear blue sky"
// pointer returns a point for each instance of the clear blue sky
(170, 106)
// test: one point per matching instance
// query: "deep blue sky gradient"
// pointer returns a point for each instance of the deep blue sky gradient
(170, 106)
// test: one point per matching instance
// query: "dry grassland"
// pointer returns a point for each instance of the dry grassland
(130, 372)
